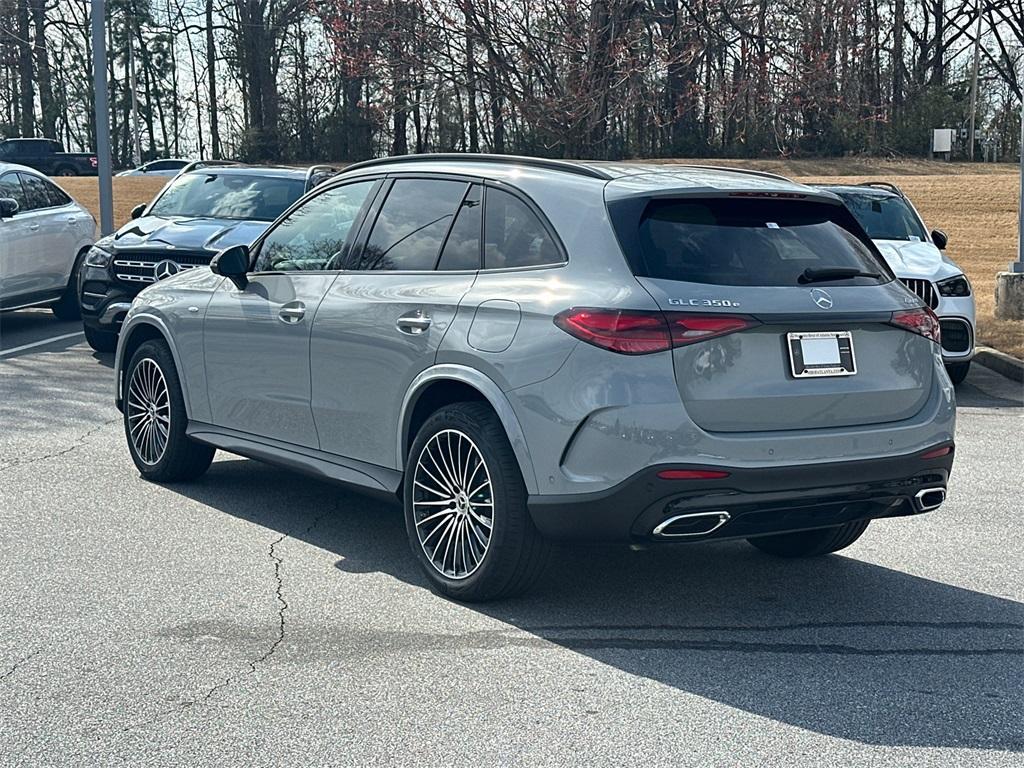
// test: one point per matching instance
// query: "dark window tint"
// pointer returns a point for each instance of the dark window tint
(315, 233)
(462, 249)
(514, 236)
(36, 194)
(749, 242)
(412, 224)
(228, 196)
(11, 187)
(884, 217)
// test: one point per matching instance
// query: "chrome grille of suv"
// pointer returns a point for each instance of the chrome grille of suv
(924, 289)
(139, 266)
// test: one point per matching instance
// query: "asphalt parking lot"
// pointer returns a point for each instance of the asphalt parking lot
(257, 617)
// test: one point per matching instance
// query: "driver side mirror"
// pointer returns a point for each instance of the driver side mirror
(940, 239)
(232, 263)
(138, 210)
(8, 207)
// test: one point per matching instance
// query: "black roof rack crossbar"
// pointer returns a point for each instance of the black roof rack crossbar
(327, 171)
(566, 166)
(883, 185)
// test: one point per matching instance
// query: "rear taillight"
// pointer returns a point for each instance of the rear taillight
(692, 474)
(921, 320)
(641, 332)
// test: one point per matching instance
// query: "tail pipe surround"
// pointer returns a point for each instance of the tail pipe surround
(928, 499)
(691, 525)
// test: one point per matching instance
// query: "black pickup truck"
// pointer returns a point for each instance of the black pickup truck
(47, 156)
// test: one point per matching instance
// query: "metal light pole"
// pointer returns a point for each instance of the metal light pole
(102, 110)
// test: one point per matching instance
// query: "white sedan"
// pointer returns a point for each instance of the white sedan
(44, 236)
(918, 259)
(168, 167)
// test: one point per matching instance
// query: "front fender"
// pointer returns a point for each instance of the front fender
(491, 392)
(133, 321)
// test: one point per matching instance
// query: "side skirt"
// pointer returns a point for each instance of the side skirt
(370, 478)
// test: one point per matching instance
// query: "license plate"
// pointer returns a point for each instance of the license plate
(821, 353)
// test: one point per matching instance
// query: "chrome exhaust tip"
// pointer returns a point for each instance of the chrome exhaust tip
(929, 498)
(691, 525)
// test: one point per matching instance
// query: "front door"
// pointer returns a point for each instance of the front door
(383, 319)
(256, 340)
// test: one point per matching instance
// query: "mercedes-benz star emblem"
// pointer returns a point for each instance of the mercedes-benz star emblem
(821, 298)
(165, 268)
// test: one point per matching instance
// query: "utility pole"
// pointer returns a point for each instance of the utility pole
(974, 82)
(102, 110)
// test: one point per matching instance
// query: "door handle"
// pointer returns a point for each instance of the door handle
(33, 227)
(413, 323)
(292, 313)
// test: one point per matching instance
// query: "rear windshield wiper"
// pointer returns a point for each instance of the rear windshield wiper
(833, 273)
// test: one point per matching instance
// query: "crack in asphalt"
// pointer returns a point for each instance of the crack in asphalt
(19, 663)
(77, 443)
(253, 664)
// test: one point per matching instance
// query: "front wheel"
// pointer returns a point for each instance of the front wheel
(820, 541)
(465, 507)
(958, 371)
(101, 341)
(155, 418)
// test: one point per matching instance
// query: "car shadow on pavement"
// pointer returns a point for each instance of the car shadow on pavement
(834, 645)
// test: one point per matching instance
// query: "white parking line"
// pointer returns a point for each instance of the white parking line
(23, 347)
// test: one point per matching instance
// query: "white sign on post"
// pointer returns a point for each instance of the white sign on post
(942, 139)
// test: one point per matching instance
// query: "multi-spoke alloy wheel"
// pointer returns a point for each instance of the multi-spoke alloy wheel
(453, 503)
(466, 506)
(155, 420)
(149, 411)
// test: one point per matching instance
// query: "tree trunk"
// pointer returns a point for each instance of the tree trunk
(25, 71)
(47, 107)
(211, 74)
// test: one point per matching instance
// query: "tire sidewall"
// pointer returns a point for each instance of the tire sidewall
(507, 492)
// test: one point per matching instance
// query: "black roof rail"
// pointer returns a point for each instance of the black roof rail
(883, 185)
(327, 171)
(566, 166)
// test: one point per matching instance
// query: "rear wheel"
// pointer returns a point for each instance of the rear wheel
(101, 341)
(958, 371)
(811, 543)
(465, 507)
(67, 307)
(155, 418)
(66, 170)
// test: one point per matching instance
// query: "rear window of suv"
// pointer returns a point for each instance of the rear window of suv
(729, 241)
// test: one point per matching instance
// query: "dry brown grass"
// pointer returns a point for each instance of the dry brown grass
(975, 204)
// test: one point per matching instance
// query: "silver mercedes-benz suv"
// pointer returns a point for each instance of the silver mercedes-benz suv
(523, 350)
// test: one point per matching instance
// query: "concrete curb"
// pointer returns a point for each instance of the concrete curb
(1000, 362)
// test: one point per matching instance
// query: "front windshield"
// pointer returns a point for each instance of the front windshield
(884, 217)
(228, 196)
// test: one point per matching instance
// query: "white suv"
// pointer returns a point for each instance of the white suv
(918, 259)
(44, 235)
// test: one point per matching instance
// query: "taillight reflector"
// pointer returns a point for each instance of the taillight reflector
(692, 474)
(921, 320)
(641, 332)
(937, 452)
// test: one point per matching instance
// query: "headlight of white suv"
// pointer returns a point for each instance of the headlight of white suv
(955, 286)
(97, 257)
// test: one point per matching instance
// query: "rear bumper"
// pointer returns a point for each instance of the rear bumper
(756, 501)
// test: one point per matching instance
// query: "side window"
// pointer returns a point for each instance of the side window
(11, 187)
(315, 233)
(462, 248)
(514, 236)
(55, 194)
(35, 192)
(411, 225)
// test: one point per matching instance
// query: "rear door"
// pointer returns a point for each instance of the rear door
(815, 350)
(56, 226)
(256, 340)
(383, 319)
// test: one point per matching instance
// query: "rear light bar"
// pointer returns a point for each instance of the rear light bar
(692, 474)
(921, 321)
(641, 332)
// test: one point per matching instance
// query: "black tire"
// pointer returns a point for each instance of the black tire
(811, 543)
(179, 458)
(514, 555)
(67, 306)
(66, 170)
(958, 371)
(101, 341)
